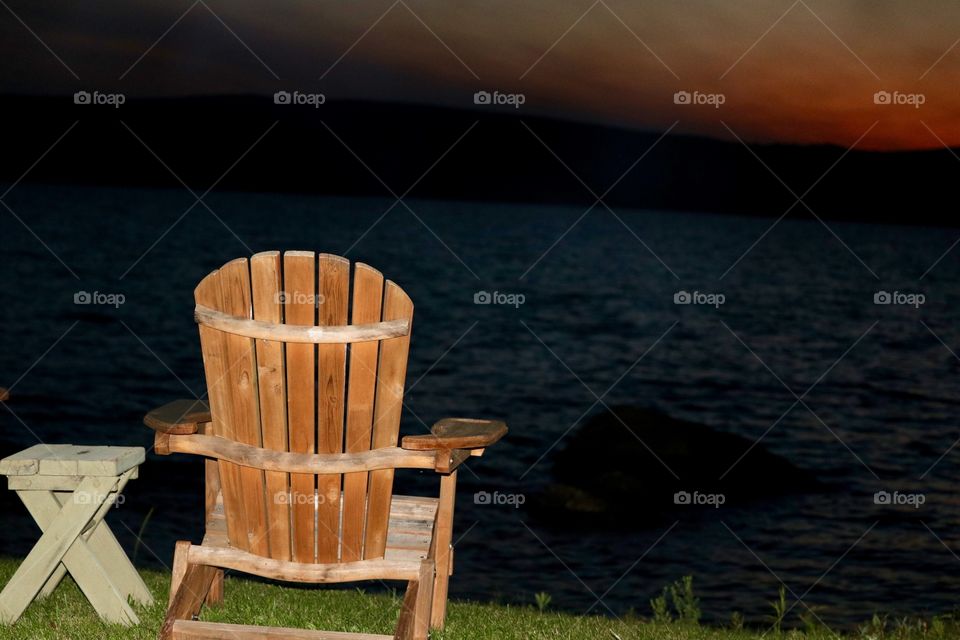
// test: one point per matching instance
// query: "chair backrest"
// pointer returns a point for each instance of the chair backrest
(342, 392)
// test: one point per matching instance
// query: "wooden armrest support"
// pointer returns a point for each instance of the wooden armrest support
(180, 417)
(4, 395)
(457, 433)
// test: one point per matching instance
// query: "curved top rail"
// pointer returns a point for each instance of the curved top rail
(341, 334)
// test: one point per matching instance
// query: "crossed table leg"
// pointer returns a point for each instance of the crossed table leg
(76, 539)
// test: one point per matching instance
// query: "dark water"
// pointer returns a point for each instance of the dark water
(879, 417)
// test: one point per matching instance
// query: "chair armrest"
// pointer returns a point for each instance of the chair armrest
(457, 433)
(4, 395)
(180, 417)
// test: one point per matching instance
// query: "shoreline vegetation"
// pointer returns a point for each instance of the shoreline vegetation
(673, 615)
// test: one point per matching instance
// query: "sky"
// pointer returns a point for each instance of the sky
(790, 71)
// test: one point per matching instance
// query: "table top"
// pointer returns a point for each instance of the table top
(72, 460)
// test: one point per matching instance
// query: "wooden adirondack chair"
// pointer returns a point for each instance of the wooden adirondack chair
(305, 378)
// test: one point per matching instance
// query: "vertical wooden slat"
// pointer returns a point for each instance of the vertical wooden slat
(215, 367)
(300, 290)
(391, 374)
(265, 280)
(367, 299)
(334, 287)
(241, 383)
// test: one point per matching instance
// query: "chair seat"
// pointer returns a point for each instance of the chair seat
(409, 532)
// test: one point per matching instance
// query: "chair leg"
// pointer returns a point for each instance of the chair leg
(188, 589)
(438, 617)
(408, 611)
(215, 595)
(179, 568)
(414, 623)
(424, 604)
(442, 550)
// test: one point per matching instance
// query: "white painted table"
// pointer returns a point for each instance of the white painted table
(68, 489)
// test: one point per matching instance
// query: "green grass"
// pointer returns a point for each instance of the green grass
(66, 614)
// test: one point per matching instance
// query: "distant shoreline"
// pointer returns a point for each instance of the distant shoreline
(381, 149)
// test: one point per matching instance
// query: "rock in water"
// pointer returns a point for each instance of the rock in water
(621, 471)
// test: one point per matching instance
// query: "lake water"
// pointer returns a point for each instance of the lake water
(881, 413)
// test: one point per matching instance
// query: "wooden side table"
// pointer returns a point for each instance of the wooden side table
(68, 489)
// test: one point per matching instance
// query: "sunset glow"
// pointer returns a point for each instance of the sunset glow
(803, 72)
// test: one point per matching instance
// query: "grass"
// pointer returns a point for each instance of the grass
(66, 614)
